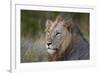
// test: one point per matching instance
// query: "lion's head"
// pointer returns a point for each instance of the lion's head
(58, 36)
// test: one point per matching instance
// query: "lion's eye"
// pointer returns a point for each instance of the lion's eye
(57, 33)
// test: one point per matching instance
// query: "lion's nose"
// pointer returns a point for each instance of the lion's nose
(49, 44)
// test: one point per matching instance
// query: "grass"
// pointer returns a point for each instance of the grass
(33, 50)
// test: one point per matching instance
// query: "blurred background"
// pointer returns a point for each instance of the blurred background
(33, 32)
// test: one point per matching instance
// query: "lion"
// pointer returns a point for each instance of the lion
(64, 40)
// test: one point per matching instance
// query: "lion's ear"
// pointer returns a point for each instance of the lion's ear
(68, 24)
(48, 23)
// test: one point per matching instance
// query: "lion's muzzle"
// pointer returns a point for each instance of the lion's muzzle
(51, 49)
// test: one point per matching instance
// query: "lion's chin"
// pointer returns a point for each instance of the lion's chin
(51, 51)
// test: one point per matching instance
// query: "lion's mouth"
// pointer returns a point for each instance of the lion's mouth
(52, 51)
